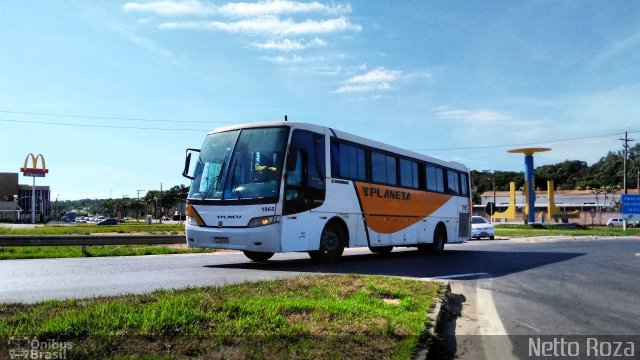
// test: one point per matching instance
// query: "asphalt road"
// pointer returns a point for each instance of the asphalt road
(588, 286)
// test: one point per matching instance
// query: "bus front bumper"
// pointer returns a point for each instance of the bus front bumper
(261, 239)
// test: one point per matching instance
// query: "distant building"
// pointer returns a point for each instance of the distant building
(604, 205)
(15, 200)
(570, 199)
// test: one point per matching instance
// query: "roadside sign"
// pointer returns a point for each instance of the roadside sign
(631, 204)
(630, 207)
(490, 209)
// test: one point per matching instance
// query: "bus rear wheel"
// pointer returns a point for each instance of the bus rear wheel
(439, 238)
(258, 256)
(331, 245)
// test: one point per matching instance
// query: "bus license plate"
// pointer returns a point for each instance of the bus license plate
(221, 240)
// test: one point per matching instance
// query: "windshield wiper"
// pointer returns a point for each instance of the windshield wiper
(216, 181)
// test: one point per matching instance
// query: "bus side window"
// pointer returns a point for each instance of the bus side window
(464, 185)
(348, 161)
(452, 182)
(409, 173)
(383, 168)
(435, 179)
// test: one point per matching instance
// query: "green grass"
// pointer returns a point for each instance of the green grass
(519, 230)
(37, 252)
(86, 229)
(42, 252)
(336, 316)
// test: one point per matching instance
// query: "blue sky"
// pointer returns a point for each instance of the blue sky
(438, 77)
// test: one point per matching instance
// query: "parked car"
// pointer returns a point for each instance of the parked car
(81, 219)
(615, 222)
(481, 228)
(109, 221)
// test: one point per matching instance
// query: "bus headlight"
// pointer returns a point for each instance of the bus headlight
(263, 221)
(192, 221)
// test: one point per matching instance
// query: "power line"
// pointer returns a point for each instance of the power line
(100, 126)
(113, 117)
(202, 130)
(523, 144)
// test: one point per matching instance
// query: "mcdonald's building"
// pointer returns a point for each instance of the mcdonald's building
(15, 200)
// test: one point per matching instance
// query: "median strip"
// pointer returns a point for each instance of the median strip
(335, 316)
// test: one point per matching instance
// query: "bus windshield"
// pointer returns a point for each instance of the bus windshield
(241, 165)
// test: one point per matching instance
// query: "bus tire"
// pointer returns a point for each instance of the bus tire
(258, 256)
(439, 239)
(381, 249)
(331, 245)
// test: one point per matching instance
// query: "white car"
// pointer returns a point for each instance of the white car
(618, 222)
(481, 228)
(81, 219)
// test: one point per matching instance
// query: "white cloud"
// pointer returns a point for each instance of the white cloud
(289, 45)
(616, 48)
(171, 8)
(375, 80)
(493, 124)
(479, 117)
(235, 9)
(375, 76)
(264, 20)
(347, 88)
(295, 59)
(269, 26)
(280, 7)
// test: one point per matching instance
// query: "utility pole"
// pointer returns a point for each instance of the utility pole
(161, 211)
(123, 207)
(626, 141)
(138, 204)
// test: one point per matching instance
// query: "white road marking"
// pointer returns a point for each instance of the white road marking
(489, 323)
(458, 276)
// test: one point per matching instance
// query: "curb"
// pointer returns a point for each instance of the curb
(426, 338)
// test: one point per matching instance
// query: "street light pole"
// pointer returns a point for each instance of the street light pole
(33, 201)
(138, 204)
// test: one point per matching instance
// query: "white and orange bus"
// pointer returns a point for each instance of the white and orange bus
(265, 188)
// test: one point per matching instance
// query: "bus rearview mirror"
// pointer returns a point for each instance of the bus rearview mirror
(189, 170)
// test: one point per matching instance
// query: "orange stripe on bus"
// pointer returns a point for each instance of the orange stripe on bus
(390, 209)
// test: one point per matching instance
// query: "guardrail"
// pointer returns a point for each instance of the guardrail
(84, 240)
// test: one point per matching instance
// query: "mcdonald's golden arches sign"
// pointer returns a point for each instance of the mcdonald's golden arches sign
(34, 170)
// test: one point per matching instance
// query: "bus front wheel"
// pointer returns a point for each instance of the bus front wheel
(258, 256)
(331, 245)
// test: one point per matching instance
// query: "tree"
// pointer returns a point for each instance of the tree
(608, 170)
(566, 174)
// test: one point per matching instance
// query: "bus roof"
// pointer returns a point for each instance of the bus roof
(348, 137)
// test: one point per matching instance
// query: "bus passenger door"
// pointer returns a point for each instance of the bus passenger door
(304, 191)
